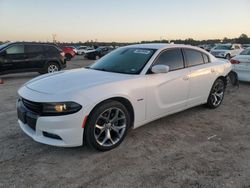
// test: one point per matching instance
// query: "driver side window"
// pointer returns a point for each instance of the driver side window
(16, 49)
(172, 58)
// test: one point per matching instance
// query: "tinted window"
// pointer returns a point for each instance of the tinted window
(245, 52)
(193, 57)
(51, 49)
(34, 48)
(206, 58)
(16, 49)
(173, 58)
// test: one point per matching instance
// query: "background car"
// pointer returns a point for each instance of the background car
(70, 52)
(241, 65)
(97, 53)
(226, 51)
(83, 49)
(26, 57)
(245, 45)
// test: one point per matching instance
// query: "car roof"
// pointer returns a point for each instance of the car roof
(39, 43)
(158, 46)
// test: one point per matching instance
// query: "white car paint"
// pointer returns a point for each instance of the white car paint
(83, 50)
(243, 68)
(236, 49)
(151, 95)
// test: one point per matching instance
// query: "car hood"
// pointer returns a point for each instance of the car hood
(72, 81)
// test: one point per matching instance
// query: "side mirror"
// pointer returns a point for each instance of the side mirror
(157, 69)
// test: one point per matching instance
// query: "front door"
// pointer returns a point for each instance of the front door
(167, 92)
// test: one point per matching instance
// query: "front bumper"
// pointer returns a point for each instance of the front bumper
(64, 131)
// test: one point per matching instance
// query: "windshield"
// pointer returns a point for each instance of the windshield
(4, 45)
(223, 47)
(245, 52)
(124, 60)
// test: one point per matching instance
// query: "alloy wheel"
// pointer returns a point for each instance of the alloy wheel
(217, 93)
(52, 68)
(110, 127)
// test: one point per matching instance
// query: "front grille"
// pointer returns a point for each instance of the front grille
(33, 106)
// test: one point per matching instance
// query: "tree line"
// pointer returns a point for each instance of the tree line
(242, 39)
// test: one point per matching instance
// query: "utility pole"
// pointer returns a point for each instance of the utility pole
(54, 35)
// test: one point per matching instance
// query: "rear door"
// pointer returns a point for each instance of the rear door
(167, 92)
(13, 58)
(201, 76)
(36, 57)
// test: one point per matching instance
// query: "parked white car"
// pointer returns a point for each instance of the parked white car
(128, 87)
(226, 51)
(241, 65)
(83, 50)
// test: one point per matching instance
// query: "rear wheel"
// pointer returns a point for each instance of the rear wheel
(52, 67)
(97, 57)
(68, 57)
(228, 56)
(107, 126)
(216, 94)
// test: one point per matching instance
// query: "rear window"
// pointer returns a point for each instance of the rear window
(205, 58)
(193, 57)
(51, 49)
(245, 52)
(34, 48)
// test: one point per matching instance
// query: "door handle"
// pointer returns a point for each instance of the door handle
(186, 78)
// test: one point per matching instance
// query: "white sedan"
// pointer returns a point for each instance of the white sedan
(127, 88)
(241, 65)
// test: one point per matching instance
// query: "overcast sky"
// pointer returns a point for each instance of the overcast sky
(123, 20)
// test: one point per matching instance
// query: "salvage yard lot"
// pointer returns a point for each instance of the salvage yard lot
(199, 147)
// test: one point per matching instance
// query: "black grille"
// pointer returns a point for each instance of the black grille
(33, 106)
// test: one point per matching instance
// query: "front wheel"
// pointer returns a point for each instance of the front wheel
(216, 95)
(68, 57)
(107, 126)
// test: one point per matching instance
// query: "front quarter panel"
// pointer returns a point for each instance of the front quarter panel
(132, 89)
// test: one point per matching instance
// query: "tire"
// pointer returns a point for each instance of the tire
(52, 67)
(107, 126)
(97, 57)
(216, 95)
(228, 57)
(68, 57)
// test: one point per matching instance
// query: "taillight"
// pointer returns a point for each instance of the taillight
(62, 54)
(233, 61)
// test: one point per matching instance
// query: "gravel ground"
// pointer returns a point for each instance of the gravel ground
(195, 148)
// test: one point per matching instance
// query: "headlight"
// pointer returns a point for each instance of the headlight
(60, 108)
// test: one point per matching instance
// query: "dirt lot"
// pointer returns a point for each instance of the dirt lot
(171, 152)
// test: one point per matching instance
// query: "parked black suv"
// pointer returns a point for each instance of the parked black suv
(30, 57)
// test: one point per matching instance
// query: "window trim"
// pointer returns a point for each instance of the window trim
(164, 50)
